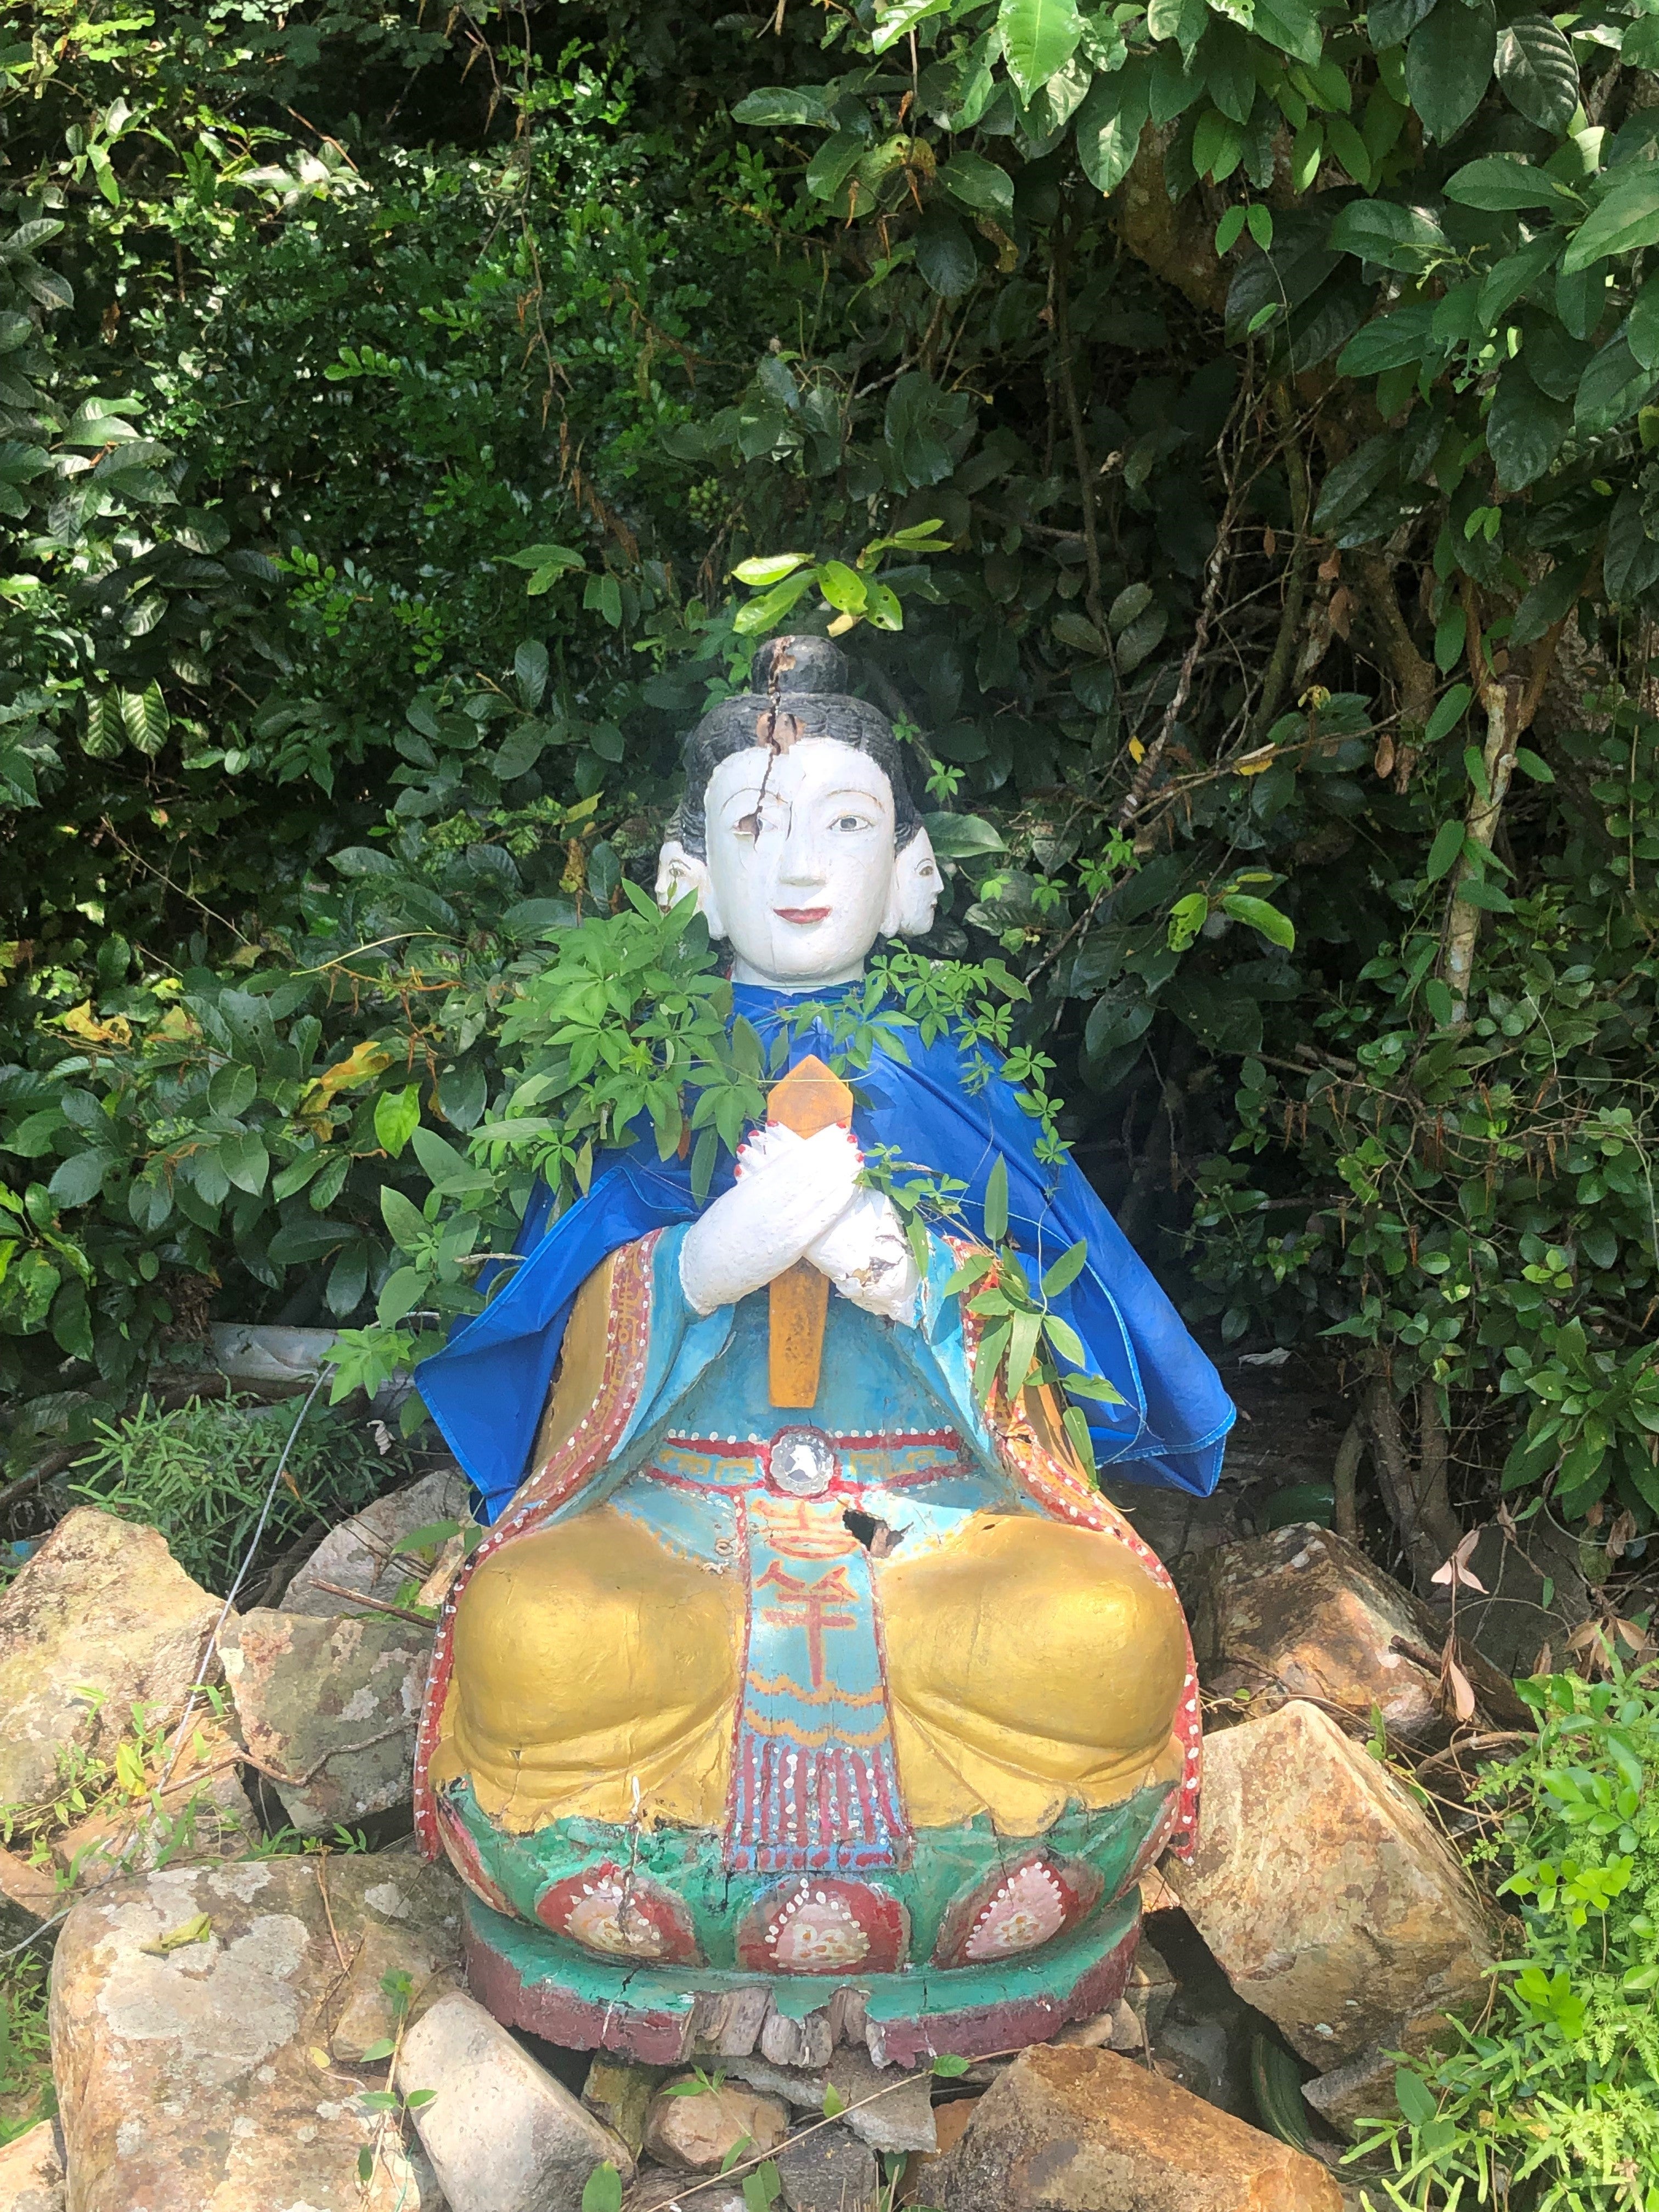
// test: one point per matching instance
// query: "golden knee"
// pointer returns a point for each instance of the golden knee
(1046, 1650)
(587, 1657)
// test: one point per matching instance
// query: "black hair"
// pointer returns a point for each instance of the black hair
(802, 682)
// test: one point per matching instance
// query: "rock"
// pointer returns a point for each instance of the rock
(1328, 1899)
(887, 2109)
(1303, 1613)
(410, 1927)
(329, 1709)
(1069, 2130)
(658, 2192)
(692, 2127)
(193, 2075)
(1534, 1592)
(1360, 2090)
(827, 2170)
(202, 1812)
(102, 1617)
(896, 2116)
(358, 1555)
(28, 1895)
(1135, 2020)
(32, 2171)
(922, 2184)
(620, 2093)
(501, 2134)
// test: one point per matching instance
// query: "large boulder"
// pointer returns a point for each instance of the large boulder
(102, 1617)
(501, 2134)
(1329, 1900)
(191, 2011)
(329, 1709)
(361, 1558)
(1069, 2130)
(1303, 1613)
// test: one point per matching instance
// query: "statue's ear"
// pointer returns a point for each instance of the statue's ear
(917, 886)
(679, 871)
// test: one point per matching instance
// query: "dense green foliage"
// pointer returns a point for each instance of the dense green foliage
(1552, 2100)
(388, 402)
(202, 1474)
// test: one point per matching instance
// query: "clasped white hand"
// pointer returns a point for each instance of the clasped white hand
(798, 1198)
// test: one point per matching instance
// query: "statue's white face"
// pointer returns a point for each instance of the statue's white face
(801, 874)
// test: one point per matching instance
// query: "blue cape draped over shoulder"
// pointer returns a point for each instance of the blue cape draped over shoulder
(487, 1389)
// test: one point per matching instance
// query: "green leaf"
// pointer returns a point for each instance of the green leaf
(1611, 389)
(843, 587)
(1449, 63)
(1537, 72)
(403, 1218)
(770, 568)
(1530, 764)
(105, 736)
(947, 2066)
(1516, 273)
(232, 1090)
(1066, 1269)
(1292, 25)
(1218, 145)
(1448, 844)
(944, 254)
(1625, 218)
(1413, 2096)
(834, 2103)
(1039, 37)
(603, 2191)
(1278, 928)
(1389, 341)
(1353, 481)
(996, 1201)
(1107, 126)
(530, 669)
(396, 1114)
(1395, 237)
(1505, 180)
(1524, 429)
(1630, 566)
(145, 719)
(80, 1179)
(1391, 22)
(781, 105)
(834, 163)
(975, 183)
(1642, 331)
(1449, 712)
(1183, 20)
(959, 836)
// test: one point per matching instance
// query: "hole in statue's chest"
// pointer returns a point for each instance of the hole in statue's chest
(876, 1536)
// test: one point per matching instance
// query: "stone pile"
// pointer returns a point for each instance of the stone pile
(239, 2033)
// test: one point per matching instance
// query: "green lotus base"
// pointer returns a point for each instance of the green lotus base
(531, 1980)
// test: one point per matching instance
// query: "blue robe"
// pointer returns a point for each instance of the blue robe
(488, 1387)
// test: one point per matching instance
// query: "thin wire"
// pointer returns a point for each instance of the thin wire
(196, 1687)
(212, 1644)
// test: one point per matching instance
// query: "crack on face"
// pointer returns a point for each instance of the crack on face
(776, 731)
(878, 1537)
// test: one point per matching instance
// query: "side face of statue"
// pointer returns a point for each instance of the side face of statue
(736, 1691)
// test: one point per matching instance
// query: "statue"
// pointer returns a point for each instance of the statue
(792, 1684)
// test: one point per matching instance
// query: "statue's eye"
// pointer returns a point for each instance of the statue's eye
(850, 822)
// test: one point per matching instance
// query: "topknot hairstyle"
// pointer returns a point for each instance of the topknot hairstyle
(800, 691)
